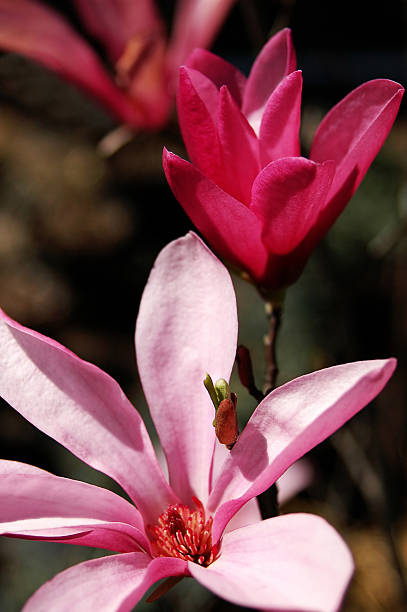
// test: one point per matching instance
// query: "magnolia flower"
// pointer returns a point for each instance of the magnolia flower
(143, 60)
(298, 477)
(204, 522)
(260, 204)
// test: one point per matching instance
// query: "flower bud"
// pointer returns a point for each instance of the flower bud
(222, 390)
(211, 390)
(245, 368)
(226, 426)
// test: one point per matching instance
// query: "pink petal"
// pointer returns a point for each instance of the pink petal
(291, 562)
(297, 478)
(274, 62)
(287, 424)
(352, 133)
(204, 88)
(134, 35)
(247, 515)
(280, 125)
(43, 506)
(84, 409)
(287, 196)
(220, 453)
(15, 467)
(186, 328)
(197, 124)
(239, 149)
(115, 583)
(146, 81)
(196, 24)
(250, 512)
(219, 71)
(230, 227)
(113, 537)
(115, 22)
(36, 31)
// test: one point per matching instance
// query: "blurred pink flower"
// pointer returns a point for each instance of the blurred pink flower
(298, 477)
(144, 61)
(205, 521)
(260, 204)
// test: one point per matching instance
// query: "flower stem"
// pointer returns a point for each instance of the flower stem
(273, 313)
(268, 501)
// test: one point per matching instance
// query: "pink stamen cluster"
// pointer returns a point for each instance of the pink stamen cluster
(184, 533)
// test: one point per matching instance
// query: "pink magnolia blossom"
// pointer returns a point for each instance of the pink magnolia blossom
(143, 60)
(260, 204)
(298, 477)
(204, 521)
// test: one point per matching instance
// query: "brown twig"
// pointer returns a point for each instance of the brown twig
(268, 501)
(273, 313)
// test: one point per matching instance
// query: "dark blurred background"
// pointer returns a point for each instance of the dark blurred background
(79, 233)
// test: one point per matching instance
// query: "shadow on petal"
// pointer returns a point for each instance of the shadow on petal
(251, 465)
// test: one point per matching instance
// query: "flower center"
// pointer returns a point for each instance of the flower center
(184, 533)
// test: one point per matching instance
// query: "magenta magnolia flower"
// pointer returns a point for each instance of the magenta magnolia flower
(204, 522)
(260, 204)
(143, 61)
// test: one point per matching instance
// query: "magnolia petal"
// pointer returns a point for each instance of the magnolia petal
(110, 584)
(186, 328)
(196, 24)
(250, 512)
(44, 506)
(197, 124)
(84, 409)
(204, 88)
(247, 515)
(219, 71)
(230, 227)
(16, 467)
(297, 478)
(113, 537)
(38, 32)
(280, 125)
(134, 36)
(274, 62)
(220, 453)
(287, 196)
(287, 424)
(239, 149)
(352, 134)
(117, 23)
(291, 562)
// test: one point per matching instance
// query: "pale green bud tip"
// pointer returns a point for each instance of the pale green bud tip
(218, 392)
(211, 390)
(222, 390)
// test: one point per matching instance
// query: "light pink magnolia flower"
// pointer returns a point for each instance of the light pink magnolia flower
(144, 61)
(205, 522)
(298, 477)
(260, 204)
